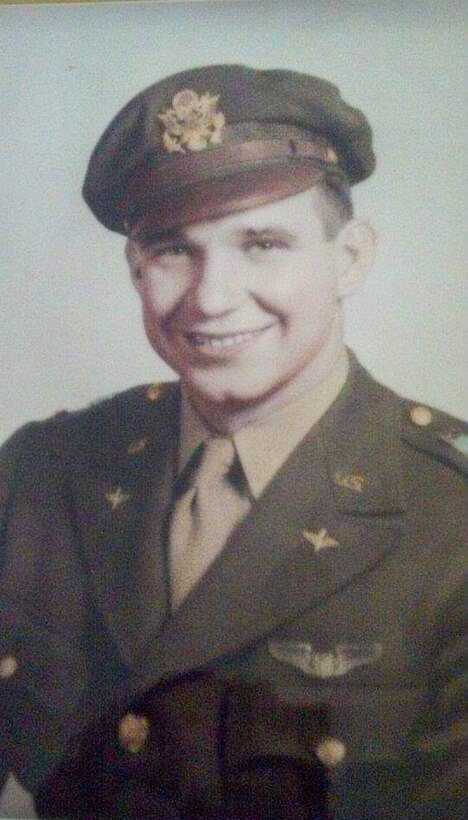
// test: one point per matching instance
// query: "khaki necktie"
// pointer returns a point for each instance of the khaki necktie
(204, 517)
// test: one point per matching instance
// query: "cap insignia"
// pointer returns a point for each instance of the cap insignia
(193, 123)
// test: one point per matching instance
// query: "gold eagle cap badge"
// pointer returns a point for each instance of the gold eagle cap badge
(192, 123)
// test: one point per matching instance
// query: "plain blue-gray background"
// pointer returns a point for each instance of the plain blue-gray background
(69, 321)
(69, 327)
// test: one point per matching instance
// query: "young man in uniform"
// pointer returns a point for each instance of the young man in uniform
(236, 596)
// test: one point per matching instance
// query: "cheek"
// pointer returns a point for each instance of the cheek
(160, 295)
(297, 295)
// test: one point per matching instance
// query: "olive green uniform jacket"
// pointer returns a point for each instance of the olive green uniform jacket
(312, 673)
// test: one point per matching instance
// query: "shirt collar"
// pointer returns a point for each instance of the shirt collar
(264, 446)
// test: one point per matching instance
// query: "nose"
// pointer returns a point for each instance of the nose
(217, 288)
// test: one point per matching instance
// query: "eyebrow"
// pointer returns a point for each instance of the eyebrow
(153, 236)
(268, 232)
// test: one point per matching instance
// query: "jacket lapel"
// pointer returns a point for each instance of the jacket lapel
(330, 514)
(120, 503)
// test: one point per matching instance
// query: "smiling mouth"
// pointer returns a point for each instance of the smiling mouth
(221, 341)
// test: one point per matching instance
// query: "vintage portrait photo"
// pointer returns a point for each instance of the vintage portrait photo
(233, 397)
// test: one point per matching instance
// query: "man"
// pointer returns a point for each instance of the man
(237, 596)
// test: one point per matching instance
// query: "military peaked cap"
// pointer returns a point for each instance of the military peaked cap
(219, 139)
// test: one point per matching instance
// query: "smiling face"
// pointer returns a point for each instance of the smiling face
(247, 308)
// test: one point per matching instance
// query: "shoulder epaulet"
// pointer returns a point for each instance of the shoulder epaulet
(436, 432)
(122, 423)
(142, 396)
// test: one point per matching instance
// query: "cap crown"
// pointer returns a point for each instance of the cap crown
(248, 122)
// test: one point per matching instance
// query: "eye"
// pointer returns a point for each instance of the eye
(169, 253)
(175, 249)
(265, 245)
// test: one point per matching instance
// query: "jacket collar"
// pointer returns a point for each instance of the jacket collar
(120, 489)
(265, 445)
(331, 513)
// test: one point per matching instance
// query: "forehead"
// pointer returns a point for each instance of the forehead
(292, 213)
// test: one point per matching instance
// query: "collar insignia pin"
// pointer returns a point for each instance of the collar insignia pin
(116, 497)
(319, 540)
(351, 481)
(137, 447)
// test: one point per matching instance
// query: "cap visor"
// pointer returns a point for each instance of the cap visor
(219, 196)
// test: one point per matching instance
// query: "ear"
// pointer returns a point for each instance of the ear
(356, 245)
(134, 259)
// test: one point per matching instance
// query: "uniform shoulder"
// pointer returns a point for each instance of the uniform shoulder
(126, 406)
(101, 422)
(435, 432)
(420, 426)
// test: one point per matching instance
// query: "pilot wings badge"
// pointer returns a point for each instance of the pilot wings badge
(333, 663)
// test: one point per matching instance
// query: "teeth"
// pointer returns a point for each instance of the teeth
(200, 340)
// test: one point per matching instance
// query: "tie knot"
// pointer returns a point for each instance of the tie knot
(216, 461)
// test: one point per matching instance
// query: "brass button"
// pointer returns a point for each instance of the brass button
(331, 752)
(421, 416)
(8, 666)
(133, 732)
(154, 392)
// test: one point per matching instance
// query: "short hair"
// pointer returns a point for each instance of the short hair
(334, 203)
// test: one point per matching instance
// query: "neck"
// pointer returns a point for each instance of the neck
(228, 417)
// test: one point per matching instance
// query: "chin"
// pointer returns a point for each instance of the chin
(220, 396)
(230, 393)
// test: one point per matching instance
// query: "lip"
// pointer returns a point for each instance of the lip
(221, 345)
